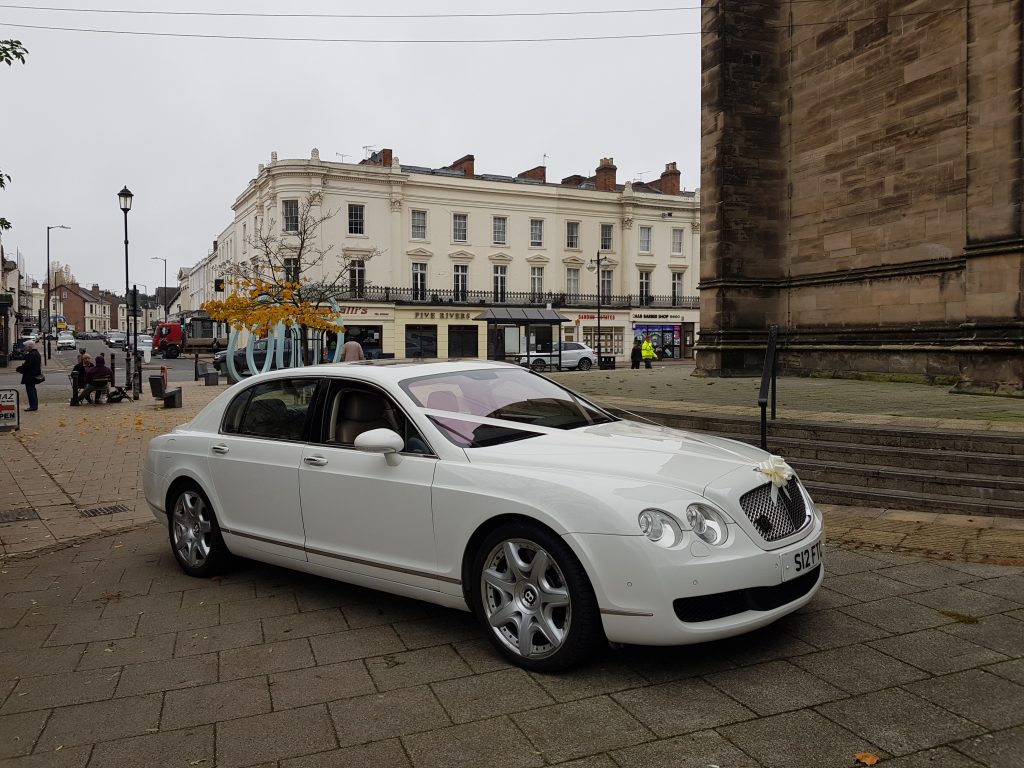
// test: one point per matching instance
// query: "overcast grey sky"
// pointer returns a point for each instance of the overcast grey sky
(185, 121)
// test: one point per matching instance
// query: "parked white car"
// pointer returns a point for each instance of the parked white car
(483, 486)
(575, 356)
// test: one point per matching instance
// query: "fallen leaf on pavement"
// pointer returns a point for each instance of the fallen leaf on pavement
(866, 758)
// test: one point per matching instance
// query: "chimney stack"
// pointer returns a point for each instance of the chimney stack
(605, 176)
(96, 289)
(464, 164)
(670, 180)
(539, 173)
(381, 157)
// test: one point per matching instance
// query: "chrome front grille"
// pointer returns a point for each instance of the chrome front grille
(779, 519)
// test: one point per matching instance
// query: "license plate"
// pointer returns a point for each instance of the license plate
(801, 561)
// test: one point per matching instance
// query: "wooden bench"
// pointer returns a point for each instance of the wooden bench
(171, 397)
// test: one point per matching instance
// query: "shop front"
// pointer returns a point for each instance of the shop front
(371, 326)
(427, 332)
(613, 332)
(672, 334)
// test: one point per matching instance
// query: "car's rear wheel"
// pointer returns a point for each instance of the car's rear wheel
(195, 536)
(533, 598)
(584, 364)
(539, 365)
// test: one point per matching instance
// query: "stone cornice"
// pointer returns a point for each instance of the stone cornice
(881, 272)
(995, 248)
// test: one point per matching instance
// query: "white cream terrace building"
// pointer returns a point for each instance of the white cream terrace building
(450, 244)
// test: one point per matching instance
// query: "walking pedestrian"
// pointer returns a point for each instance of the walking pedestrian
(635, 355)
(352, 350)
(31, 374)
(647, 352)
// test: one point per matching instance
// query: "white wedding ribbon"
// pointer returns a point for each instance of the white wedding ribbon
(777, 471)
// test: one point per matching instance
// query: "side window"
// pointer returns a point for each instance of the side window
(278, 409)
(233, 414)
(352, 410)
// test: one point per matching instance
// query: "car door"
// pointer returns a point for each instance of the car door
(254, 462)
(362, 515)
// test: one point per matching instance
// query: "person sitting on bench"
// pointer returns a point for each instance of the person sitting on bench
(97, 380)
(78, 374)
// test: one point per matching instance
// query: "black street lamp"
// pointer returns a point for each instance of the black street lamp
(595, 266)
(164, 286)
(124, 198)
(47, 352)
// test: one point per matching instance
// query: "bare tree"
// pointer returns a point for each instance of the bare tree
(293, 276)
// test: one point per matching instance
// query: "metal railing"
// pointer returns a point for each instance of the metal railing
(402, 295)
(768, 380)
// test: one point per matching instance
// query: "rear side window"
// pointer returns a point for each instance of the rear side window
(276, 409)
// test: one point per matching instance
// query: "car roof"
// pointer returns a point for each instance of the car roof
(389, 371)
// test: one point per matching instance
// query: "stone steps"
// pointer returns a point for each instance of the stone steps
(898, 467)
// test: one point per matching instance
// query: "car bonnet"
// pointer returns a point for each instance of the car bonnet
(627, 449)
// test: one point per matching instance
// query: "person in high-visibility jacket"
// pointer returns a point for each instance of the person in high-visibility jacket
(647, 352)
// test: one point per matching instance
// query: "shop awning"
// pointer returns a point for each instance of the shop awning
(522, 316)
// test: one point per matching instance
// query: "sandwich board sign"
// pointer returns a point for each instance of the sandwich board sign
(10, 413)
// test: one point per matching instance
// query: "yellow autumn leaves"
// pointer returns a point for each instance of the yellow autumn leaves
(259, 305)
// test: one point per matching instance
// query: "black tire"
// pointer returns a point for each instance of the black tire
(194, 534)
(559, 636)
(539, 365)
(584, 364)
(171, 352)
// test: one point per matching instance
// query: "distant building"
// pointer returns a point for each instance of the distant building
(861, 180)
(84, 309)
(451, 243)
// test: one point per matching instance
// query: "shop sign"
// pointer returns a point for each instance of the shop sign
(584, 316)
(660, 317)
(10, 414)
(365, 313)
(426, 315)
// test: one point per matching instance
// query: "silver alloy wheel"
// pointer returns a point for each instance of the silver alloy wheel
(525, 598)
(192, 529)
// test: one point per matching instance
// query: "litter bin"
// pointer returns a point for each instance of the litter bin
(607, 362)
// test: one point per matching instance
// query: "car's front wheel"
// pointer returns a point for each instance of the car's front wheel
(584, 364)
(195, 536)
(533, 598)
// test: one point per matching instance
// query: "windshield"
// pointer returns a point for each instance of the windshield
(498, 403)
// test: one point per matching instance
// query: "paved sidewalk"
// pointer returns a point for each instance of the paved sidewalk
(110, 656)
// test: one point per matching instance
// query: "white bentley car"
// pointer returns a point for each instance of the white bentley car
(485, 486)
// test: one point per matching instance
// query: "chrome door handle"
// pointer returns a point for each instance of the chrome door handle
(316, 461)
(219, 448)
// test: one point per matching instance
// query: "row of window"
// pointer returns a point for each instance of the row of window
(499, 280)
(499, 229)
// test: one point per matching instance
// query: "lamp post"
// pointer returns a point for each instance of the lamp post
(46, 347)
(124, 198)
(595, 266)
(164, 286)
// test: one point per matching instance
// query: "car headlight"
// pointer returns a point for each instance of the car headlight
(707, 523)
(660, 527)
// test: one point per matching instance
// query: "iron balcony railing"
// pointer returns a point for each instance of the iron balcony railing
(513, 298)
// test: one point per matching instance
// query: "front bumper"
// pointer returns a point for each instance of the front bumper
(640, 586)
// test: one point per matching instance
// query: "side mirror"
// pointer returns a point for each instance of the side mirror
(385, 441)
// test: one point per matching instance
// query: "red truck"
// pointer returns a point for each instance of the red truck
(190, 335)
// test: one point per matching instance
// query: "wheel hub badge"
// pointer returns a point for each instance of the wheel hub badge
(529, 597)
